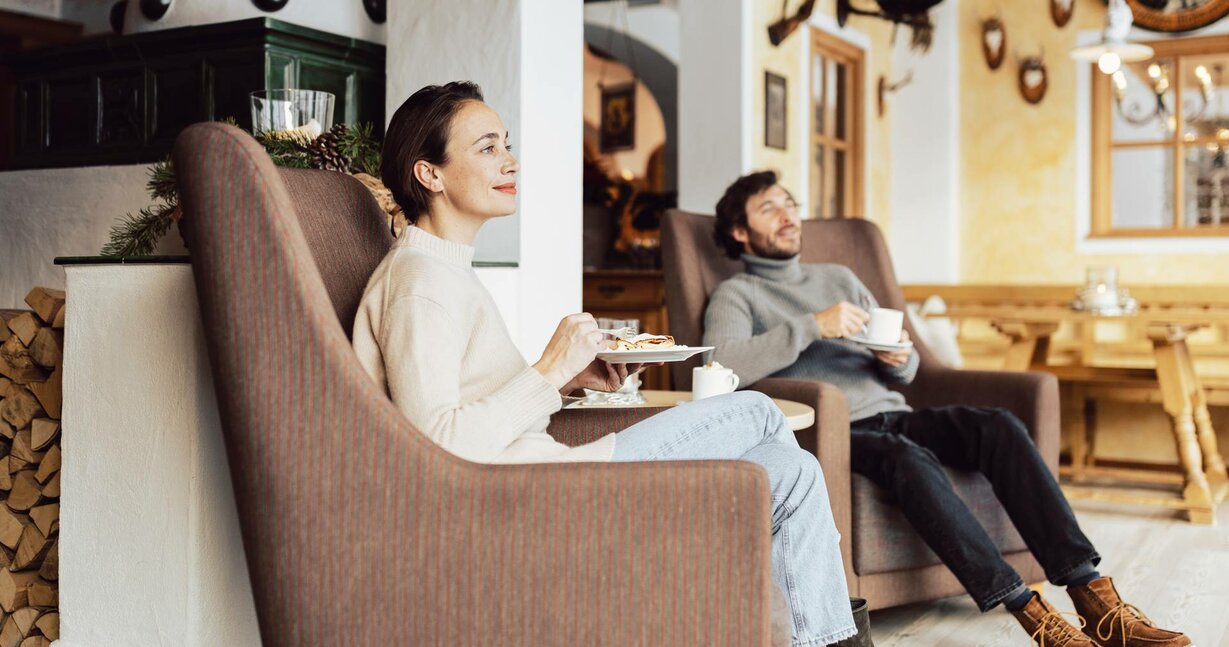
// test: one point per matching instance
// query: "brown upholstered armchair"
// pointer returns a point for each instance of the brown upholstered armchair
(885, 561)
(359, 530)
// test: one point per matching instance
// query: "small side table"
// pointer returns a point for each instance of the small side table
(798, 415)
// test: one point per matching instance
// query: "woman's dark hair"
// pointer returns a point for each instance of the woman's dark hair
(419, 131)
(732, 209)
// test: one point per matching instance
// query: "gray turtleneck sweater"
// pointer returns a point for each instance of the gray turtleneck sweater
(762, 322)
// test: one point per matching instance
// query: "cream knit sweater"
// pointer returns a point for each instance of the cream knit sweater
(430, 334)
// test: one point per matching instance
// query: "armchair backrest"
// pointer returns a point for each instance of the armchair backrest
(344, 228)
(290, 390)
(694, 266)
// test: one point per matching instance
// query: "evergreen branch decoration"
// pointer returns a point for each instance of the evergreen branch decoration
(286, 151)
(354, 147)
(161, 185)
(137, 235)
(361, 147)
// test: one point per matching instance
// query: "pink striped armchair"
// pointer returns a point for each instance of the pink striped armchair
(358, 530)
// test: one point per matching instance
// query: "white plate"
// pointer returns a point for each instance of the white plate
(651, 355)
(879, 345)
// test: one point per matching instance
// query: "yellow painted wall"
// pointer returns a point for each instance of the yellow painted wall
(1018, 161)
(787, 60)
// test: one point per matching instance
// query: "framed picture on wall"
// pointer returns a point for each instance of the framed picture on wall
(774, 111)
(618, 117)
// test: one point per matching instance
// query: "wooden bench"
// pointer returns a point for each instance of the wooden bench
(1081, 390)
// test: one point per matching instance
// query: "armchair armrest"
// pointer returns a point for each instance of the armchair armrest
(602, 554)
(1032, 396)
(574, 427)
(828, 439)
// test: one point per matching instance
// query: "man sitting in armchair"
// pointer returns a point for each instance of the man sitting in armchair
(782, 318)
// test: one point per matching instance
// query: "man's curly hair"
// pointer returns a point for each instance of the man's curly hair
(732, 209)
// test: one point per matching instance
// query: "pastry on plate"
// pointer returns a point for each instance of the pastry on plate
(645, 341)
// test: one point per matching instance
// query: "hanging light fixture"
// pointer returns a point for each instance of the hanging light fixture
(1139, 110)
(1114, 49)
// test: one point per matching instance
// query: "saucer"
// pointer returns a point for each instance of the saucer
(880, 345)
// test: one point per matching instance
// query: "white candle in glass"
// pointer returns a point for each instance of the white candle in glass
(1101, 291)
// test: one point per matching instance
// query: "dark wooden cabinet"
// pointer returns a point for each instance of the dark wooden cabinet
(631, 294)
(124, 99)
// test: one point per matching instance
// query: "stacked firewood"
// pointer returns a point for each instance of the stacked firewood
(30, 392)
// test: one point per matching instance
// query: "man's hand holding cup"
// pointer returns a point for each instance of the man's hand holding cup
(841, 320)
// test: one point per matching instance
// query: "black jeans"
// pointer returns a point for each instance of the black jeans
(904, 453)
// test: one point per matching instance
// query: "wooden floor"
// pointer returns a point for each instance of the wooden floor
(1176, 572)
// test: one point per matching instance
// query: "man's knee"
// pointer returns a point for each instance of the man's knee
(1011, 428)
(904, 460)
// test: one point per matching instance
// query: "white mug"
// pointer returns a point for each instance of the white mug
(885, 325)
(708, 381)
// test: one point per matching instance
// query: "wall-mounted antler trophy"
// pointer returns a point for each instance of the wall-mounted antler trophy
(781, 29)
(993, 41)
(886, 88)
(1061, 10)
(1033, 78)
(914, 13)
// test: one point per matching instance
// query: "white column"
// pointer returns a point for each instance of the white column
(552, 139)
(527, 57)
(715, 69)
(150, 549)
(925, 203)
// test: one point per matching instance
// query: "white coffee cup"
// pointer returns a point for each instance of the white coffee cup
(710, 380)
(885, 325)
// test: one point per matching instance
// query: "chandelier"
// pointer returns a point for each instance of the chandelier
(1139, 111)
(1114, 49)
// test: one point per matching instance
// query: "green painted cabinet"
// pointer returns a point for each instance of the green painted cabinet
(124, 99)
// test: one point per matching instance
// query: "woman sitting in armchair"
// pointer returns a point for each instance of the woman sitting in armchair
(430, 334)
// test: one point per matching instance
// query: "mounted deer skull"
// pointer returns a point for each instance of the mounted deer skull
(1033, 78)
(1061, 10)
(993, 41)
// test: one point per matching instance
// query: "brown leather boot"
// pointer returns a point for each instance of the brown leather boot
(1114, 623)
(1047, 627)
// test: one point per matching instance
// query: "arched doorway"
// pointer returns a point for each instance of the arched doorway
(658, 74)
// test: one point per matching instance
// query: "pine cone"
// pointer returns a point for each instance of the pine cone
(326, 153)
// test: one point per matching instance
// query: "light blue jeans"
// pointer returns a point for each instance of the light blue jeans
(806, 557)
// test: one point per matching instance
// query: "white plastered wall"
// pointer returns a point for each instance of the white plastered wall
(925, 198)
(150, 550)
(62, 212)
(714, 99)
(344, 17)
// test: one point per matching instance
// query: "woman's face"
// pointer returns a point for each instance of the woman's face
(479, 177)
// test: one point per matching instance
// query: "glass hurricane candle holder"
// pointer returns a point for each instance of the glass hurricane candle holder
(1101, 287)
(303, 113)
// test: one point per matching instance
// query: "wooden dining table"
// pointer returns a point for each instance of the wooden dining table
(1202, 479)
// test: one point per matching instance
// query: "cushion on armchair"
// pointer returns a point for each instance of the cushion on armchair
(883, 540)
